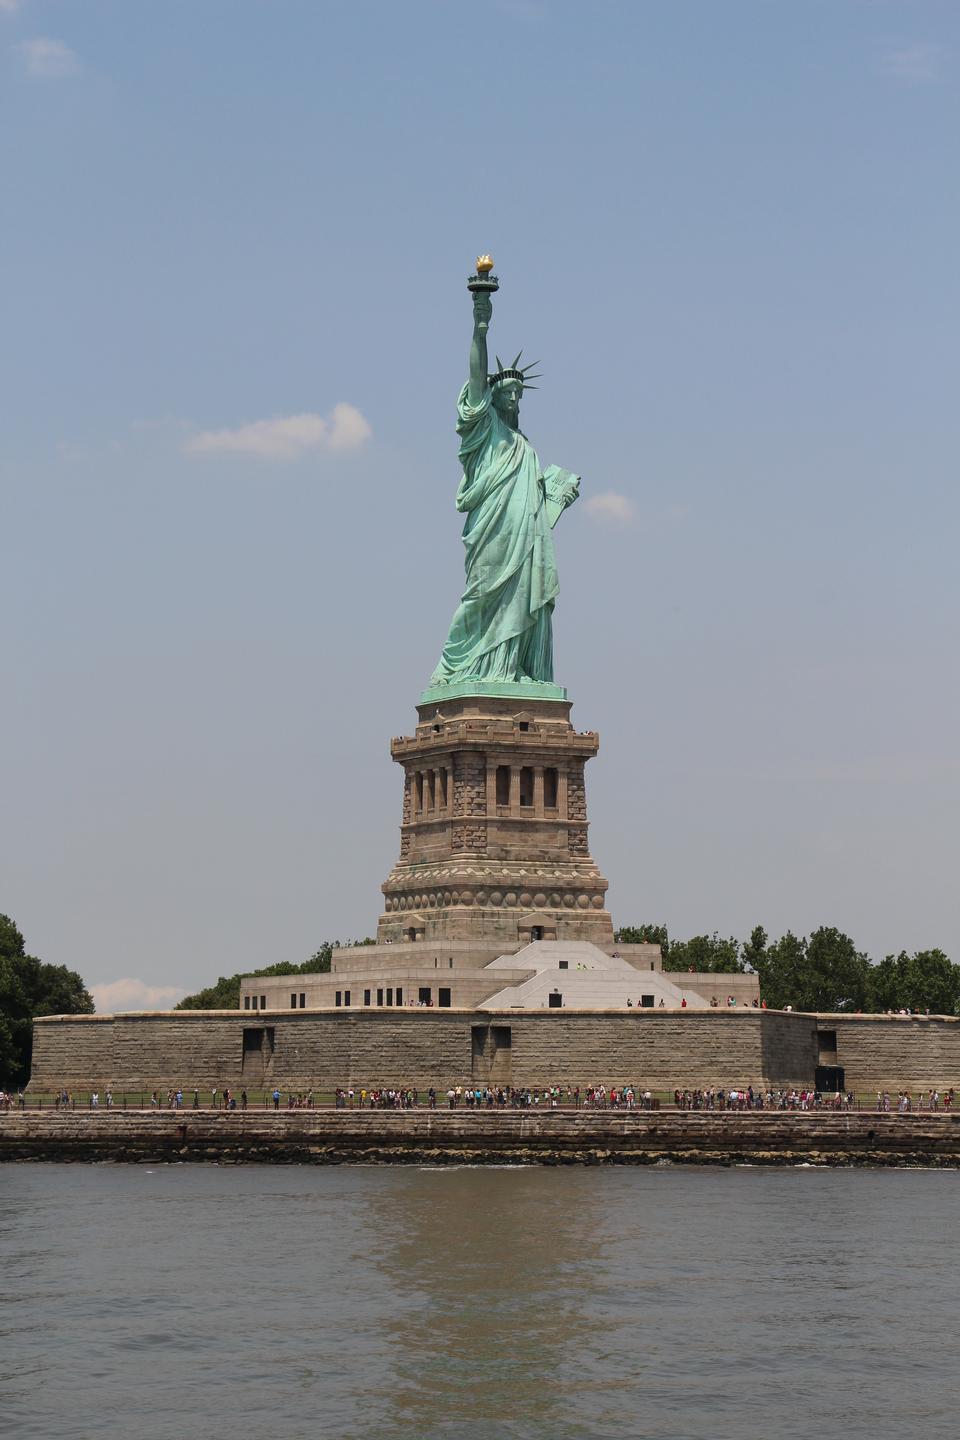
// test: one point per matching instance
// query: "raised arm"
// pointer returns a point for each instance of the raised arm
(482, 313)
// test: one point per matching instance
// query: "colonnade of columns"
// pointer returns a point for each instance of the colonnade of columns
(538, 790)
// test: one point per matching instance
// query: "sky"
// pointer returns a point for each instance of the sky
(234, 248)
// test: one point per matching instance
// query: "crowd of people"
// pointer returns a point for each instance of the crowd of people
(932, 1100)
(748, 1098)
(490, 1097)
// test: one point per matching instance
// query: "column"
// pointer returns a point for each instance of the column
(538, 792)
(514, 789)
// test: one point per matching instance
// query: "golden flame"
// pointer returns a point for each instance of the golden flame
(484, 264)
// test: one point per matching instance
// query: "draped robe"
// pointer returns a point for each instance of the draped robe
(502, 628)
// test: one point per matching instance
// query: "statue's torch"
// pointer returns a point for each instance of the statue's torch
(483, 282)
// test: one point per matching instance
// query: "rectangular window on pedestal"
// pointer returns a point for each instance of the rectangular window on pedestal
(303, 1000)
(418, 790)
(293, 1002)
(366, 997)
(339, 997)
(503, 784)
(526, 785)
(379, 997)
(346, 997)
(443, 996)
(399, 994)
(550, 789)
(442, 789)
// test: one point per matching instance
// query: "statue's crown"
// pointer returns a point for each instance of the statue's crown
(510, 372)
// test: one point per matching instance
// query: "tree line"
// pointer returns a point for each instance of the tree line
(225, 994)
(822, 971)
(28, 988)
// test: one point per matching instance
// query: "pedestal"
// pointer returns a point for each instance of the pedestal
(494, 839)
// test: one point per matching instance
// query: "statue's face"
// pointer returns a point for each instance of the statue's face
(506, 402)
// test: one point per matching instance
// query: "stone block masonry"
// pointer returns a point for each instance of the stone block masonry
(320, 1049)
(553, 1137)
(494, 841)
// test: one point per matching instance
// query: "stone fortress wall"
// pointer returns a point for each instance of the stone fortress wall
(657, 1049)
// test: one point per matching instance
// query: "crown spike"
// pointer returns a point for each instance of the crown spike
(517, 360)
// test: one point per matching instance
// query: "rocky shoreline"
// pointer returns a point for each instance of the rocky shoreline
(464, 1137)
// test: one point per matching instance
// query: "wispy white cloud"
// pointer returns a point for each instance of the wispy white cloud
(130, 994)
(288, 437)
(610, 506)
(917, 64)
(47, 59)
(7, 7)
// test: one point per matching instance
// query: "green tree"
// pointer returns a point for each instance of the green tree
(932, 982)
(644, 935)
(837, 972)
(754, 950)
(225, 995)
(706, 952)
(781, 970)
(926, 980)
(319, 962)
(885, 983)
(29, 988)
(826, 972)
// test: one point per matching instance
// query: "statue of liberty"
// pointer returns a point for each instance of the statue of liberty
(502, 629)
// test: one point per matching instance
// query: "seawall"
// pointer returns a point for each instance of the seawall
(555, 1137)
(653, 1049)
(321, 1049)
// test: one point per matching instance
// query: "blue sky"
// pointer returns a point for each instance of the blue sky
(234, 247)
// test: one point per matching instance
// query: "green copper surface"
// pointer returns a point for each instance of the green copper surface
(508, 689)
(502, 631)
